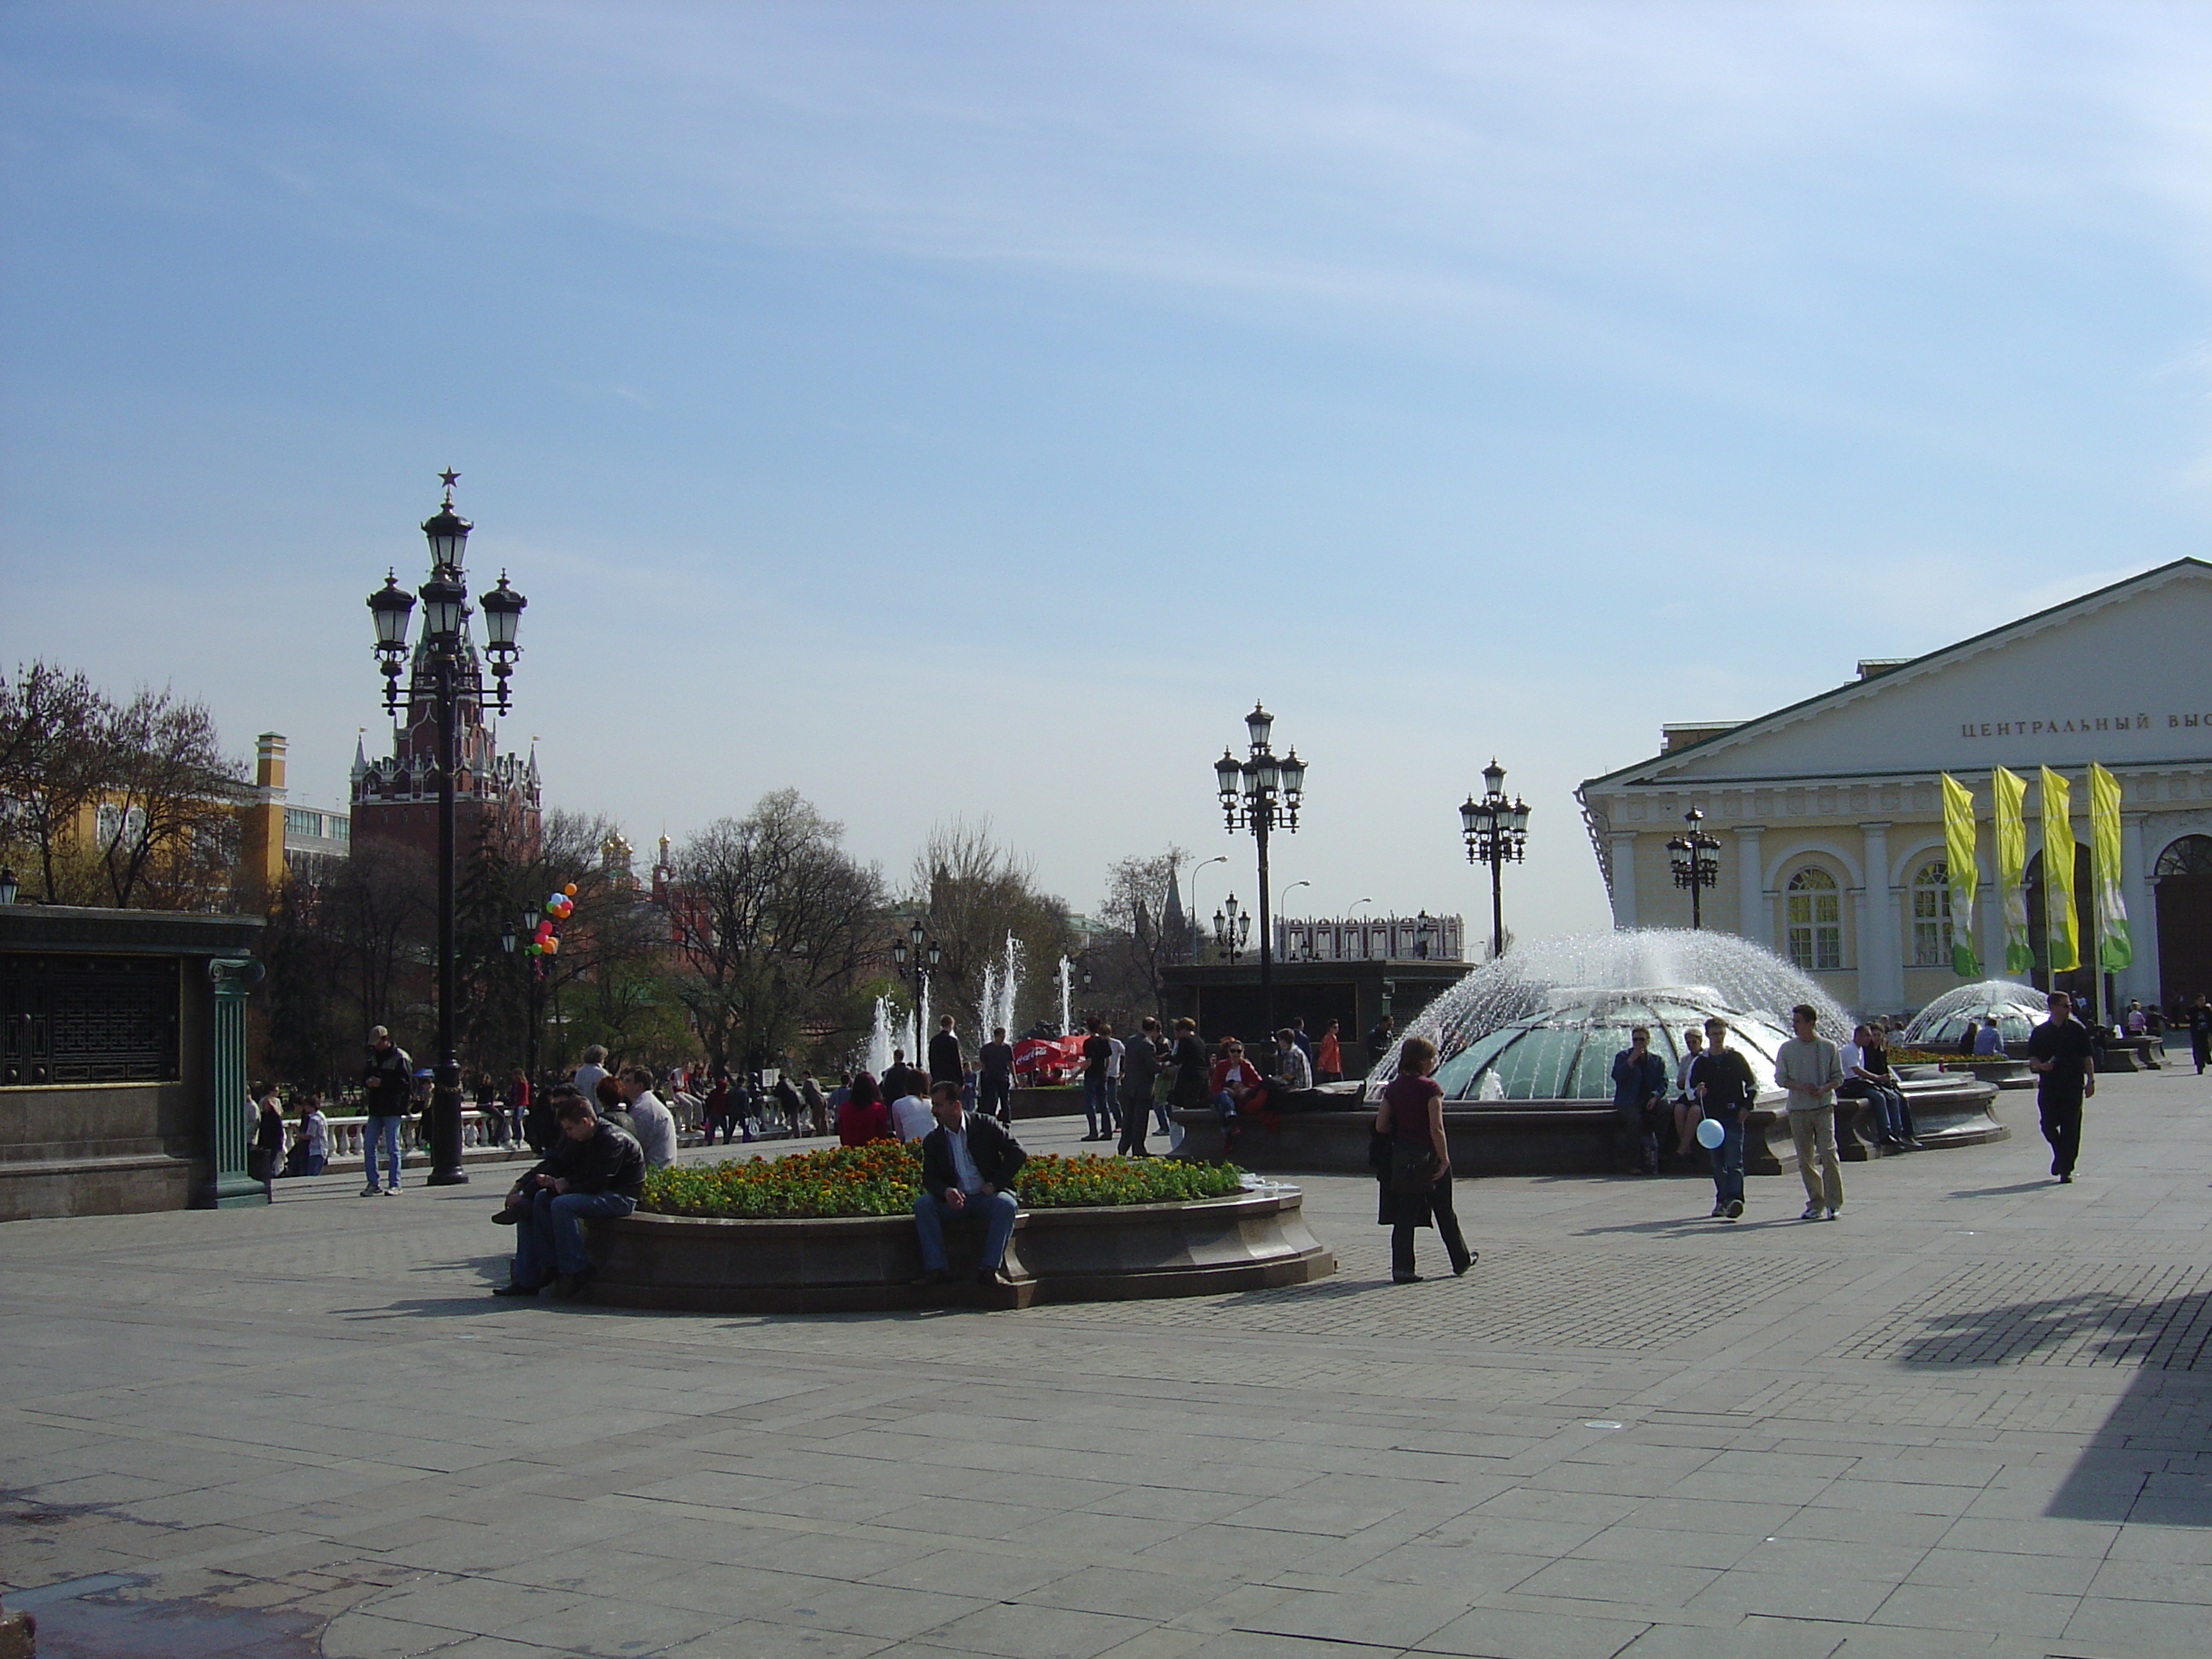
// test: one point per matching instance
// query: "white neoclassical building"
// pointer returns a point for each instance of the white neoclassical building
(1828, 812)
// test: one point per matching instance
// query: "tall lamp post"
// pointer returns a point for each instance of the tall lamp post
(1695, 855)
(446, 674)
(1497, 831)
(1261, 793)
(915, 954)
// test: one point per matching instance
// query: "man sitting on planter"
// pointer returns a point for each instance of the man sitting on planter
(593, 1170)
(969, 1162)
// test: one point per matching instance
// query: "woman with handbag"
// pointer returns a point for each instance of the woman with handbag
(1414, 1160)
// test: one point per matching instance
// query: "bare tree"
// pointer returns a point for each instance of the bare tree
(773, 922)
(119, 804)
(1141, 940)
(50, 773)
(341, 952)
(167, 822)
(973, 894)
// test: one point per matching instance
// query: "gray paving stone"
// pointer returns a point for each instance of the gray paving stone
(1511, 1633)
(2009, 1612)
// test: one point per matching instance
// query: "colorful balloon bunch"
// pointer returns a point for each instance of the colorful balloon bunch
(559, 907)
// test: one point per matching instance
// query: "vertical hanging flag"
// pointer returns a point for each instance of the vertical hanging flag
(2007, 791)
(2115, 946)
(1959, 859)
(2061, 934)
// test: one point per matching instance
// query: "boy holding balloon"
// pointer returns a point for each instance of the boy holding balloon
(1725, 1089)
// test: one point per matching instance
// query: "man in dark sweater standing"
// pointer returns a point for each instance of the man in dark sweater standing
(1724, 1087)
(383, 1084)
(945, 1065)
(968, 1163)
(2064, 1062)
(593, 1170)
(994, 1085)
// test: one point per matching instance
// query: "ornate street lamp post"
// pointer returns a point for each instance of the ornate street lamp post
(1261, 793)
(1497, 831)
(1695, 856)
(923, 953)
(1232, 931)
(447, 673)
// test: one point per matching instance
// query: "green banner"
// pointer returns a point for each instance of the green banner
(1958, 861)
(2007, 791)
(2115, 946)
(2061, 933)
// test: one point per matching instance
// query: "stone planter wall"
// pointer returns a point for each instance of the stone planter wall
(1255, 1241)
(1573, 1137)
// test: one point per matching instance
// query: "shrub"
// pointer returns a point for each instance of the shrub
(884, 1178)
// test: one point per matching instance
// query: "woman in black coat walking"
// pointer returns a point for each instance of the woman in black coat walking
(1413, 1159)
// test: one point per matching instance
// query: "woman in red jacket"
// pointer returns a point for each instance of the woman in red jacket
(864, 1116)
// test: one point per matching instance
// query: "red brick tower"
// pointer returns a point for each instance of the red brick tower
(495, 796)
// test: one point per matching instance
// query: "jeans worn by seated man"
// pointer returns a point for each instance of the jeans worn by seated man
(593, 1172)
(969, 1162)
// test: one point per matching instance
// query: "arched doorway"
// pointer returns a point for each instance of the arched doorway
(2183, 879)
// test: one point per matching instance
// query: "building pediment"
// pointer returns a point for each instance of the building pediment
(2119, 677)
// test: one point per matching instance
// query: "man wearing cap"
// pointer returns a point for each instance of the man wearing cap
(384, 1086)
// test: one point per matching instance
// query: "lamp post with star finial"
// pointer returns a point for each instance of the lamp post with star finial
(447, 676)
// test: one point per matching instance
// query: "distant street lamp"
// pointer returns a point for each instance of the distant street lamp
(446, 674)
(1197, 925)
(1232, 932)
(7, 886)
(1497, 831)
(1261, 793)
(924, 953)
(509, 938)
(1695, 856)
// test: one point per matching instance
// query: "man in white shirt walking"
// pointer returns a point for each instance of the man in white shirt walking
(656, 1124)
(1810, 1068)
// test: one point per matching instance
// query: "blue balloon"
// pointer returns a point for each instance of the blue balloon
(1711, 1134)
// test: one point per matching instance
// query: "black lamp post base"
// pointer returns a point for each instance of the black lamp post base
(447, 1178)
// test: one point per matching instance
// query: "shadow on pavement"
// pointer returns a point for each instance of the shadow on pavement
(2166, 1412)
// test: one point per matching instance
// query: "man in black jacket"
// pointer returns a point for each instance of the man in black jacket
(594, 1169)
(969, 1162)
(945, 1065)
(1140, 1064)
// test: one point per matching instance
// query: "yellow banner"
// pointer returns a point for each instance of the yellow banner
(2115, 946)
(2061, 934)
(1959, 859)
(2007, 791)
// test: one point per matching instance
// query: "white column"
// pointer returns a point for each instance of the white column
(1863, 998)
(1751, 886)
(1881, 952)
(1623, 843)
(2141, 979)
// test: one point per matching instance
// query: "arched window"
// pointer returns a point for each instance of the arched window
(2190, 856)
(1815, 921)
(1931, 914)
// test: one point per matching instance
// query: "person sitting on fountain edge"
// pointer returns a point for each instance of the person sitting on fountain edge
(594, 1170)
(969, 1162)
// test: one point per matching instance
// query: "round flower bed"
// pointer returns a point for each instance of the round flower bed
(832, 1230)
(884, 1177)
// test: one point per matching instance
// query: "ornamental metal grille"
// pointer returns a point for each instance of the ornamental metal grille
(87, 1019)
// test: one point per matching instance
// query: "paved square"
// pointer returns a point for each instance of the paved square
(1970, 1418)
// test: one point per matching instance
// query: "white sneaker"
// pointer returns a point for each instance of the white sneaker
(1811, 1213)
(1835, 1214)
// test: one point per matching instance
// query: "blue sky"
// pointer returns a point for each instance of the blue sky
(970, 409)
